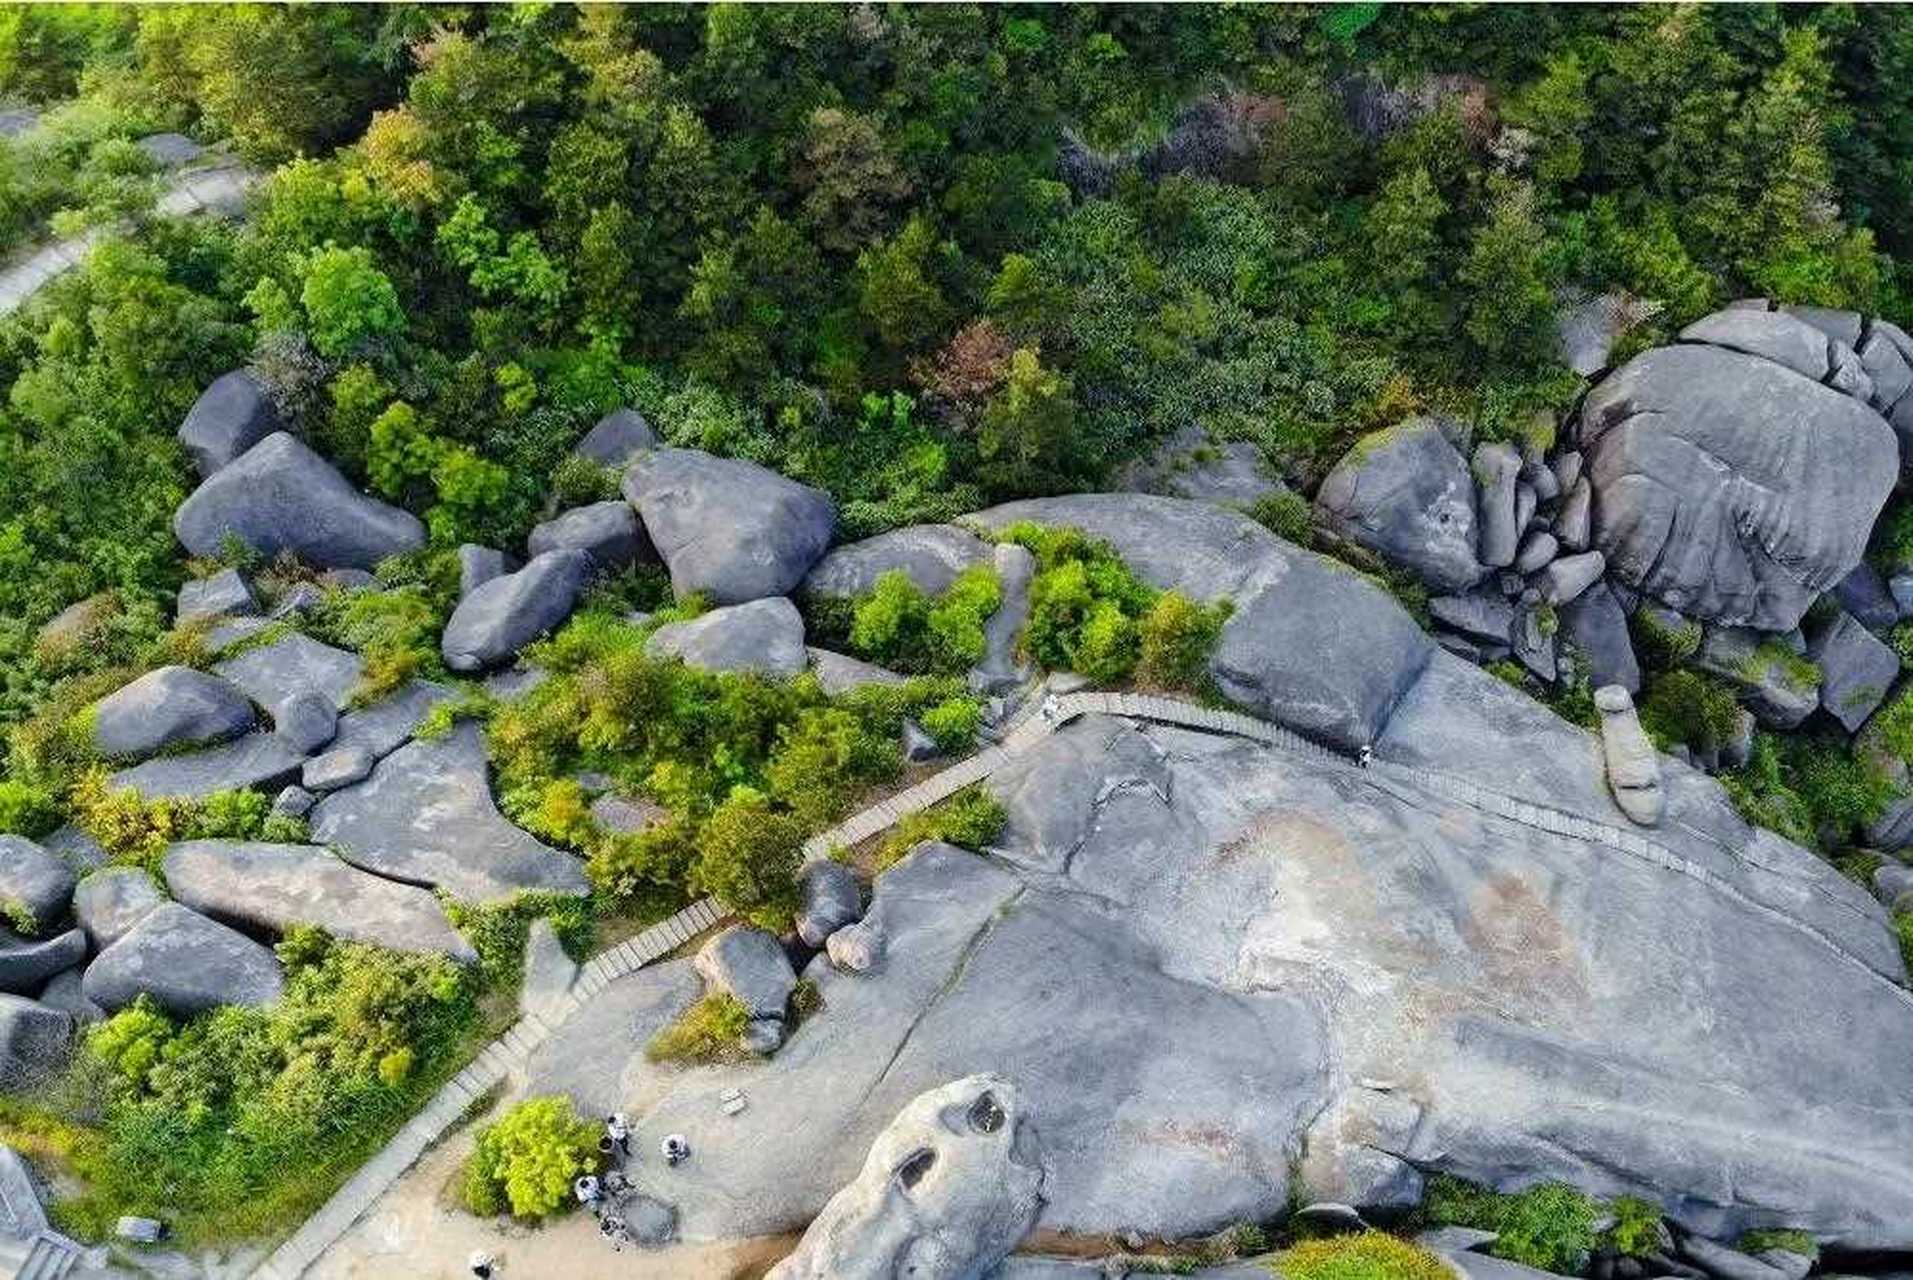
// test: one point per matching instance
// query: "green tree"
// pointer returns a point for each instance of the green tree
(527, 1159)
(349, 303)
(1510, 311)
(1029, 428)
(898, 289)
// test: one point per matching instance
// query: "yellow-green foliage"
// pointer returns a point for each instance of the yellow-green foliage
(1368, 1255)
(709, 1031)
(900, 626)
(1689, 707)
(1792, 1241)
(527, 1159)
(970, 818)
(1550, 1226)
(748, 858)
(135, 831)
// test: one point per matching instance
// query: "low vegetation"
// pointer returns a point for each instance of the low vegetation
(709, 1031)
(525, 1160)
(971, 818)
(1366, 1255)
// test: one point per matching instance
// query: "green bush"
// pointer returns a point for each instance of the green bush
(1550, 1226)
(748, 857)
(899, 626)
(953, 722)
(1691, 708)
(971, 818)
(526, 1160)
(1662, 647)
(1636, 1230)
(1799, 1242)
(711, 1030)
(1903, 930)
(1178, 635)
(1367, 1255)
(1286, 514)
(27, 810)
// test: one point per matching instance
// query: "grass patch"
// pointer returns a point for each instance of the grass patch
(1550, 1226)
(1368, 1255)
(709, 1031)
(971, 818)
(1792, 1241)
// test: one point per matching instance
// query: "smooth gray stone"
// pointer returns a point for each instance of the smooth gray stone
(81, 851)
(34, 882)
(595, 1056)
(294, 802)
(1483, 617)
(187, 963)
(110, 901)
(1455, 1239)
(256, 762)
(348, 579)
(1863, 594)
(1189, 464)
(1731, 488)
(1485, 1266)
(750, 965)
(224, 594)
(1794, 1266)
(1015, 569)
(762, 1036)
(1405, 494)
(727, 528)
(1726, 1264)
(1633, 766)
(624, 816)
(292, 664)
(1842, 326)
(839, 674)
(64, 991)
(26, 964)
(1857, 669)
(1900, 587)
(1540, 477)
(1537, 550)
(918, 746)
(280, 496)
(1567, 470)
(1525, 503)
(168, 707)
(607, 531)
(257, 886)
(1497, 468)
(502, 616)
(426, 816)
(549, 972)
(170, 150)
(306, 721)
(230, 417)
(616, 438)
(856, 948)
(1891, 880)
(1766, 687)
(227, 632)
(299, 600)
(1573, 524)
(1597, 625)
(1565, 579)
(1777, 336)
(1458, 645)
(764, 636)
(339, 767)
(35, 1043)
(930, 555)
(383, 727)
(478, 565)
(832, 899)
(1533, 646)
(1284, 653)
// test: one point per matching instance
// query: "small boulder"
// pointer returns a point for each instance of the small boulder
(1587, 327)
(762, 1036)
(1497, 468)
(856, 948)
(187, 963)
(1404, 493)
(918, 746)
(750, 965)
(1538, 550)
(306, 721)
(79, 624)
(765, 636)
(26, 965)
(1567, 470)
(478, 565)
(170, 707)
(1573, 524)
(1633, 766)
(1779, 686)
(607, 531)
(832, 899)
(226, 594)
(1479, 617)
(36, 886)
(64, 991)
(838, 673)
(730, 529)
(1565, 579)
(294, 802)
(1533, 643)
(1857, 669)
(170, 150)
(502, 616)
(1597, 626)
(617, 437)
(335, 769)
(230, 416)
(1722, 1263)
(35, 1042)
(1863, 594)
(280, 496)
(930, 555)
(110, 901)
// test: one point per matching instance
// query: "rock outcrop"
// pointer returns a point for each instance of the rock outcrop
(505, 614)
(728, 528)
(36, 886)
(187, 963)
(1405, 494)
(616, 438)
(279, 496)
(271, 887)
(1633, 766)
(764, 636)
(169, 707)
(930, 555)
(948, 1189)
(231, 416)
(608, 531)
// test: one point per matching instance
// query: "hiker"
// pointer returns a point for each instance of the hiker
(615, 1184)
(587, 1190)
(483, 1265)
(1367, 754)
(612, 1228)
(1049, 708)
(618, 1129)
(676, 1150)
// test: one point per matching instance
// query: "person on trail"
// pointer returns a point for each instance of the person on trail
(618, 1129)
(676, 1150)
(1367, 755)
(588, 1192)
(483, 1265)
(613, 1229)
(1049, 708)
(615, 1184)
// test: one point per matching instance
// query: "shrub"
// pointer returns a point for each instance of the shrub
(953, 722)
(578, 481)
(497, 931)
(709, 1031)
(1691, 708)
(971, 818)
(899, 626)
(1663, 647)
(528, 1158)
(748, 858)
(1903, 930)
(891, 624)
(826, 748)
(656, 861)
(1286, 514)
(1550, 1226)
(1792, 1241)
(1178, 635)
(27, 810)
(1368, 1255)
(1636, 1230)
(957, 619)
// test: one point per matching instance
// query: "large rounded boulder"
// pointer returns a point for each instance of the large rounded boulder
(36, 886)
(1732, 486)
(1405, 493)
(173, 706)
(230, 417)
(727, 528)
(280, 496)
(930, 555)
(503, 615)
(187, 963)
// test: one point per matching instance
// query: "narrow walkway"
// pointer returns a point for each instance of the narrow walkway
(220, 190)
(512, 1050)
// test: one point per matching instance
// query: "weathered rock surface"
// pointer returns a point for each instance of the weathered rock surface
(258, 761)
(930, 555)
(728, 528)
(549, 971)
(764, 636)
(26, 964)
(947, 1190)
(478, 565)
(1285, 652)
(1730, 487)
(1015, 570)
(1586, 328)
(1478, 616)
(502, 616)
(34, 883)
(426, 816)
(1565, 579)
(1405, 494)
(1857, 669)
(293, 664)
(750, 965)
(1864, 594)
(1597, 627)
(840, 673)
(35, 1041)
(63, 991)
(110, 901)
(224, 594)
(339, 767)
(230, 417)
(1772, 686)
(1497, 470)
(169, 707)
(187, 963)
(306, 721)
(832, 899)
(1786, 341)
(856, 948)
(608, 531)
(617, 438)
(1191, 465)
(281, 496)
(1633, 766)
(271, 887)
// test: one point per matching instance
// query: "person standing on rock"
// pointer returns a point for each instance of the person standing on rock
(618, 1129)
(1366, 757)
(676, 1150)
(483, 1265)
(588, 1192)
